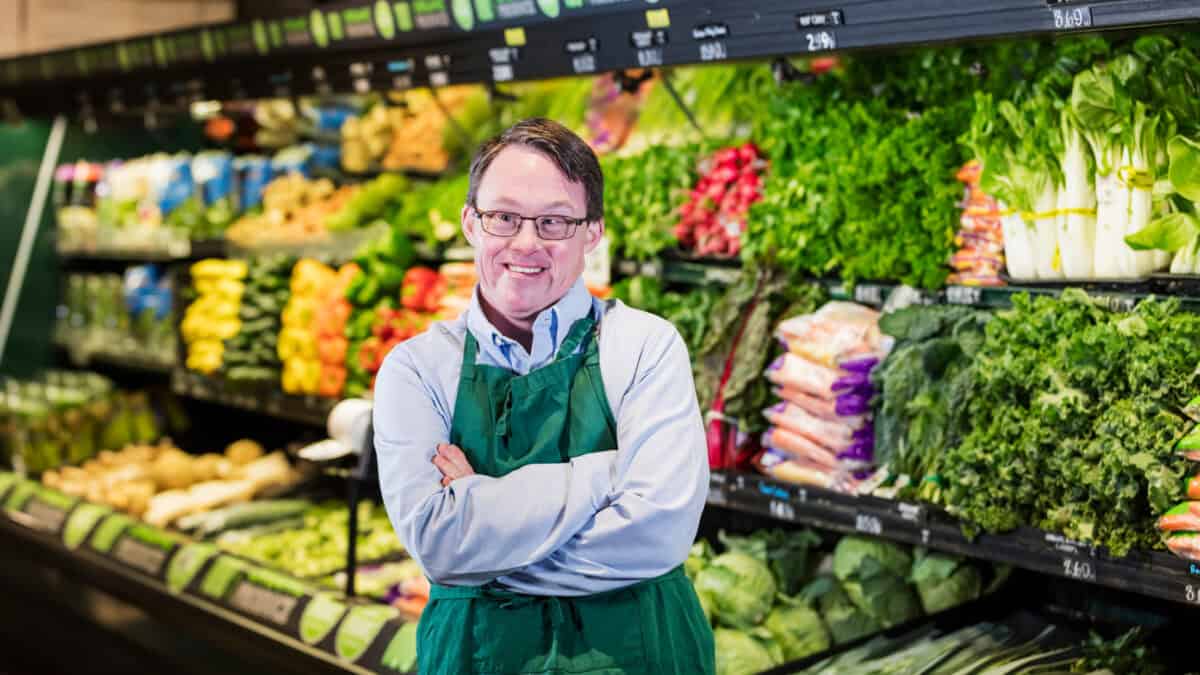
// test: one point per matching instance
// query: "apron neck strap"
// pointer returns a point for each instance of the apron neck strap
(470, 350)
(581, 331)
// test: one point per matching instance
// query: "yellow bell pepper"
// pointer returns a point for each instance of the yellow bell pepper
(299, 312)
(312, 376)
(205, 362)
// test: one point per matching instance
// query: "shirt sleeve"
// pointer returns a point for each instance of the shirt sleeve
(660, 487)
(479, 528)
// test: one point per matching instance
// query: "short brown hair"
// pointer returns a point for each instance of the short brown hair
(569, 152)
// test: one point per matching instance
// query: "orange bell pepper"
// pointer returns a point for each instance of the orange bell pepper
(333, 380)
(332, 350)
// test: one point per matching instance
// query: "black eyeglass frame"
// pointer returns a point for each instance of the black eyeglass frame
(572, 223)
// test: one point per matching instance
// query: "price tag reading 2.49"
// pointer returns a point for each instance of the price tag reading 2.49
(819, 41)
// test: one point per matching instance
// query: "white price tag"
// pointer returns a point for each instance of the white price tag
(275, 607)
(964, 295)
(782, 510)
(1082, 570)
(1072, 18)
(868, 524)
(820, 41)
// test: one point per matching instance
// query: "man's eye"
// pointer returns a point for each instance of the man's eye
(507, 218)
(553, 222)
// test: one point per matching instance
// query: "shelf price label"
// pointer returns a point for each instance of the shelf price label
(1083, 570)
(1191, 593)
(819, 41)
(781, 510)
(1072, 18)
(713, 51)
(868, 294)
(868, 524)
(964, 295)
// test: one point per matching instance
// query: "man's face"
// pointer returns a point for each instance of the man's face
(521, 275)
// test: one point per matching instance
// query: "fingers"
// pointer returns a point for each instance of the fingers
(453, 464)
(457, 458)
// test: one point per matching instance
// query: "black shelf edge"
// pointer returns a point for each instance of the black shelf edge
(377, 46)
(113, 361)
(259, 643)
(206, 248)
(1117, 294)
(1154, 574)
(308, 410)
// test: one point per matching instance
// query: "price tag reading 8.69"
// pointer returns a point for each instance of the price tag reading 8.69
(1078, 569)
(1072, 18)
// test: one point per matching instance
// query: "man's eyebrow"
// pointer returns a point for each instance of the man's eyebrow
(559, 204)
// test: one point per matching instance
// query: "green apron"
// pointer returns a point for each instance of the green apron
(654, 626)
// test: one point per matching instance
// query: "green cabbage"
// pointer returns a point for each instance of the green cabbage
(875, 575)
(944, 581)
(845, 621)
(798, 629)
(740, 653)
(742, 588)
(706, 605)
(698, 558)
(786, 553)
(860, 557)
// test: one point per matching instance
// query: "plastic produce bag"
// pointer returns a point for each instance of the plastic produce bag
(837, 332)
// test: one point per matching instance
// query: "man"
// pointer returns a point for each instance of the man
(543, 456)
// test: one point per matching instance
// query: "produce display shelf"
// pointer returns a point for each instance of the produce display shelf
(120, 361)
(205, 248)
(357, 46)
(309, 410)
(1119, 295)
(1154, 574)
(279, 624)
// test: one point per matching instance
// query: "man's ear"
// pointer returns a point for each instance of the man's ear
(595, 232)
(466, 217)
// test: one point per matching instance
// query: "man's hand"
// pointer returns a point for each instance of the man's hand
(452, 463)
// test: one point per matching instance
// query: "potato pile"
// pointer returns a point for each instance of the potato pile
(161, 483)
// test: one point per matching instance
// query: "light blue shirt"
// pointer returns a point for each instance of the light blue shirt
(602, 521)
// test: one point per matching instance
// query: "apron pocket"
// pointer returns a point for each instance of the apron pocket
(509, 637)
(605, 632)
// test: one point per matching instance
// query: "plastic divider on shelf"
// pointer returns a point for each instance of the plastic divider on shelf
(350, 634)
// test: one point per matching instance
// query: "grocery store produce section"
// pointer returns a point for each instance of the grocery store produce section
(940, 301)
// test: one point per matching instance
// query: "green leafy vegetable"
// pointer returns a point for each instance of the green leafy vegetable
(741, 586)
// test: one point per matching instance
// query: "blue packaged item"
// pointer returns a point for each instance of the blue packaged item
(327, 156)
(140, 282)
(256, 172)
(331, 118)
(179, 187)
(213, 171)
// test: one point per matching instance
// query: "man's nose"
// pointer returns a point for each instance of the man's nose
(526, 238)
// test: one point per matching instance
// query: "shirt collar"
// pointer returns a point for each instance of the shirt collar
(550, 327)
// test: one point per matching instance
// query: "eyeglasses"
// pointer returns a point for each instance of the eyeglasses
(505, 224)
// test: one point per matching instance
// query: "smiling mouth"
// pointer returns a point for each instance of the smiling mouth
(522, 270)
